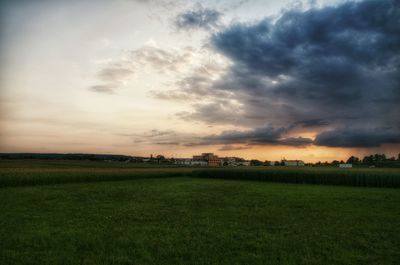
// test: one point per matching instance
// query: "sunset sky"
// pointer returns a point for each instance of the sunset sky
(311, 80)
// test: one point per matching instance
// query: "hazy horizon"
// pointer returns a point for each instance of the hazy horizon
(309, 80)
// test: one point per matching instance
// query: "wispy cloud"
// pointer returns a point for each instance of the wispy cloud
(233, 148)
(114, 74)
(199, 18)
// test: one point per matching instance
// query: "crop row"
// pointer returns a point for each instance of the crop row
(13, 179)
(352, 177)
(347, 177)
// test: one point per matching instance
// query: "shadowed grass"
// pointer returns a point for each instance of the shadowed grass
(198, 221)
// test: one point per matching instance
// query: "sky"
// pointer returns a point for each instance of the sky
(311, 80)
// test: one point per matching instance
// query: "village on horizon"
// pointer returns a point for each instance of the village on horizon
(209, 160)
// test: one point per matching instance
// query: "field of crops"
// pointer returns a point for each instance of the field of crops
(31, 172)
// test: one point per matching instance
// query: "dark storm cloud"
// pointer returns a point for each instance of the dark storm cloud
(266, 135)
(346, 137)
(327, 57)
(231, 140)
(336, 66)
(202, 18)
(313, 123)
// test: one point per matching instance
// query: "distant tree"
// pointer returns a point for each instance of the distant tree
(267, 163)
(368, 160)
(335, 162)
(353, 160)
(379, 158)
(277, 163)
(160, 157)
(255, 162)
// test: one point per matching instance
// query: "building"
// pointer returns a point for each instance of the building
(235, 161)
(183, 161)
(293, 163)
(198, 163)
(347, 165)
(215, 162)
(209, 158)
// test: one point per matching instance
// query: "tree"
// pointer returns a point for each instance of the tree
(368, 160)
(255, 162)
(379, 158)
(353, 160)
(267, 163)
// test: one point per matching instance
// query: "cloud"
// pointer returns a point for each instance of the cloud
(333, 67)
(233, 148)
(230, 140)
(335, 59)
(350, 137)
(201, 18)
(267, 135)
(160, 59)
(310, 123)
(107, 89)
(116, 73)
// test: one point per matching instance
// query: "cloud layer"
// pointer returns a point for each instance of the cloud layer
(335, 68)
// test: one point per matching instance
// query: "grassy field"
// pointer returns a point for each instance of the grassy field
(169, 219)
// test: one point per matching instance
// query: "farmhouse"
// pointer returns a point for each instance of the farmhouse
(235, 161)
(293, 163)
(347, 165)
(209, 158)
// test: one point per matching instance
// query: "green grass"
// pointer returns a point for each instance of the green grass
(198, 221)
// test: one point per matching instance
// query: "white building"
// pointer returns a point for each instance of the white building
(345, 165)
(293, 163)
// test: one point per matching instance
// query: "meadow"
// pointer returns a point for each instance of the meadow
(63, 212)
